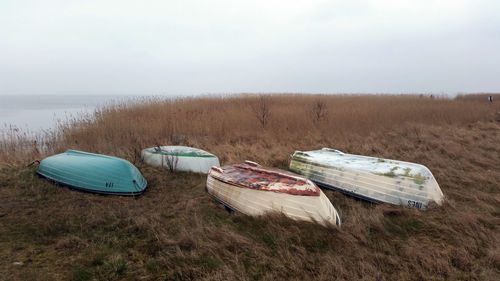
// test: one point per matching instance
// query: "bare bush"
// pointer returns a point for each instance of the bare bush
(262, 110)
(172, 161)
(169, 160)
(319, 111)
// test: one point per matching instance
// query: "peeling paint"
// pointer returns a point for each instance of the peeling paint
(250, 175)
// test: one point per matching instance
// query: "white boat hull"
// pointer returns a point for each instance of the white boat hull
(373, 179)
(257, 202)
(188, 159)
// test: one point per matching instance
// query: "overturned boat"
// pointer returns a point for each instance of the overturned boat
(180, 158)
(93, 172)
(252, 189)
(374, 179)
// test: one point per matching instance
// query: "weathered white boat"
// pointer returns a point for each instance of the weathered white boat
(374, 179)
(252, 189)
(180, 158)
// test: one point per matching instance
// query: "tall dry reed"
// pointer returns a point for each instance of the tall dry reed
(222, 123)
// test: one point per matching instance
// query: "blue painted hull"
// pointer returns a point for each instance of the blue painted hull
(93, 173)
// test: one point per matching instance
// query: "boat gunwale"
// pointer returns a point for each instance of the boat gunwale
(88, 190)
(309, 159)
(381, 185)
(153, 150)
(426, 182)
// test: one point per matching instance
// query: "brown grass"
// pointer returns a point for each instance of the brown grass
(176, 231)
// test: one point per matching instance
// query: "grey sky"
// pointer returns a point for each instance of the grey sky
(195, 47)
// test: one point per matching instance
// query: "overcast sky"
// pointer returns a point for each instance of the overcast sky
(196, 47)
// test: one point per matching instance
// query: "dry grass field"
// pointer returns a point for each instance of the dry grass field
(175, 231)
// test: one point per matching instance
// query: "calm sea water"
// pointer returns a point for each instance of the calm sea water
(35, 113)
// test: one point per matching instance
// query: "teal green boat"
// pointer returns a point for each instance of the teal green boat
(93, 172)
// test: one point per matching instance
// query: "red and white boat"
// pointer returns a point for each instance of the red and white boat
(254, 190)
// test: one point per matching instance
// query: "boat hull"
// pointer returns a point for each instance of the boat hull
(182, 158)
(369, 178)
(255, 202)
(93, 173)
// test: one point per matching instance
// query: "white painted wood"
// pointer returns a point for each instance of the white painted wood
(374, 179)
(255, 202)
(188, 159)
